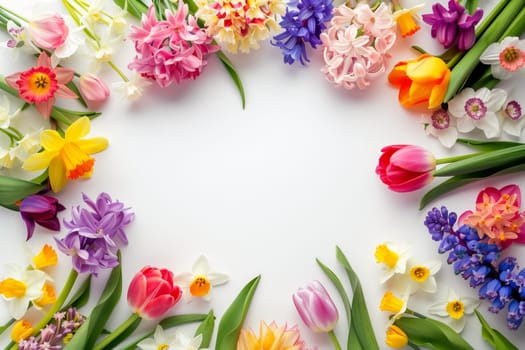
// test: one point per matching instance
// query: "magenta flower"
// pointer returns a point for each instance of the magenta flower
(453, 25)
(316, 308)
(405, 168)
(170, 50)
(42, 210)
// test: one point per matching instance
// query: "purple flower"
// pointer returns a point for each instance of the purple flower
(41, 210)
(302, 26)
(453, 25)
(95, 235)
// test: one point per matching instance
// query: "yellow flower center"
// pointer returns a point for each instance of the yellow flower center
(386, 256)
(21, 330)
(46, 257)
(77, 162)
(12, 288)
(455, 309)
(391, 303)
(163, 347)
(419, 273)
(200, 286)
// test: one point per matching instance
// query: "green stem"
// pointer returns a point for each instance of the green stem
(10, 135)
(6, 325)
(414, 313)
(334, 340)
(14, 16)
(16, 132)
(118, 71)
(117, 332)
(456, 158)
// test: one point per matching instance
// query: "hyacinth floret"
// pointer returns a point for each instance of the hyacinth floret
(95, 234)
(500, 280)
(302, 26)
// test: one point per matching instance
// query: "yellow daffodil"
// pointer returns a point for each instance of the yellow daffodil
(66, 157)
(21, 330)
(395, 337)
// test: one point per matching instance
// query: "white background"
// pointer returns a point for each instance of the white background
(264, 190)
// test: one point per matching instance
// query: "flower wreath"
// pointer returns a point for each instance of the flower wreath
(476, 247)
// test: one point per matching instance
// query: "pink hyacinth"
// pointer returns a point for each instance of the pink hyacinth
(356, 45)
(170, 50)
(48, 31)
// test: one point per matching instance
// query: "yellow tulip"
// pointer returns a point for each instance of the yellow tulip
(423, 80)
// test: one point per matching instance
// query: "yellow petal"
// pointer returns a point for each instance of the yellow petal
(438, 93)
(57, 174)
(419, 93)
(78, 129)
(427, 70)
(93, 145)
(39, 161)
(51, 140)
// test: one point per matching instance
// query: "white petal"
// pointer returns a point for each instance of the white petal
(452, 295)
(457, 325)
(439, 309)
(513, 127)
(18, 307)
(447, 137)
(183, 279)
(201, 266)
(470, 304)
(465, 125)
(491, 54)
(434, 266)
(499, 72)
(490, 125)
(216, 278)
(496, 99)
(429, 285)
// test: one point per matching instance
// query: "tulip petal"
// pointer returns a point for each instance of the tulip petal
(137, 292)
(413, 184)
(427, 71)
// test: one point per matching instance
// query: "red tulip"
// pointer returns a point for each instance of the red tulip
(405, 168)
(152, 293)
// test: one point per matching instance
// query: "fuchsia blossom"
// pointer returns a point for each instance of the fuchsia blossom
(356, 45)
(170, 50)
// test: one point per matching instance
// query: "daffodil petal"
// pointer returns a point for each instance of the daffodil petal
(93, 145)
(216, 278)
(39, 161)
(57, 174)
(51, 140)
(201, 266)
(78, 129)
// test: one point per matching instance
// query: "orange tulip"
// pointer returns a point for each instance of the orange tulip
(423, 80)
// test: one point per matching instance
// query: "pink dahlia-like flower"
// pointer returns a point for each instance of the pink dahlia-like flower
(170, 50)
(356, 45)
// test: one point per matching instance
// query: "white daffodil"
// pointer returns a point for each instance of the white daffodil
(134, 88)
(419, 276)
(21, 287)
(8, 157)
(394, 304)
(393, 259)
(200, 281)
(505, 57)
(442, 126)
(513, 121)
(5, 113)
(161, 340)
(183, 342)
(477, 109)
(455, 308)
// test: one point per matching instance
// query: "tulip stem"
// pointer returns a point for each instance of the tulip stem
(117, 332)
(336, 343)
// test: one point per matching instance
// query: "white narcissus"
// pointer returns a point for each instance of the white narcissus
(505, 58)
(419, 276)
(160, 340)
(183, 342)
(393, 259)
(442, 126)
(455, 308)
(200, 281)
(477, 109)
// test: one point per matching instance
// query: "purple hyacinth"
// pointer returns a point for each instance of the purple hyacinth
(453, 25)
(302, 26)
(42, 210)
(95, 235)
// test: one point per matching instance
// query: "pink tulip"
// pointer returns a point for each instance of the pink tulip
(48, 31)
(405, 168)
(316, 308)
(92, 88)
(152, 293)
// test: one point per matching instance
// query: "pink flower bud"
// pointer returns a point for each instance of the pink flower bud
(48, 31)
(405, 168)
(316, 308)
(152, 293)
(92, 88)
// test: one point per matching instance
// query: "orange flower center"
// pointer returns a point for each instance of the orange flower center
(77, 162)
(200, 286)
(38, 84)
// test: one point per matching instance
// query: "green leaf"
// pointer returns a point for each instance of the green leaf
(135, 7)
(228, 65)
(492, 336)
(169, 322)
(89, 332)
(206, 329)
(231, 322)
(486, 146)
(432, 334)
(75, 89)
(361, 325)
(81, 296)
(458, 181)
(13, 190)
(340, 289)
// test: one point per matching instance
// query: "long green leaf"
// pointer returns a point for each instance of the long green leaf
(169, 322)
(13, 190)
(432, 334)
(485, 146)
(233, 74)
(89, 332)
(135, 7)
(231, 322)
(361, 324)
(206, 329)
(493, 337)
(340, 289)
(81, 296)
